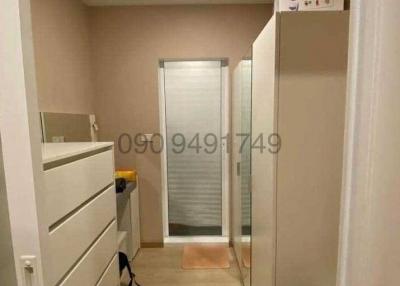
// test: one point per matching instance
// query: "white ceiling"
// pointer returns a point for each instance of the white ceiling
(170, 2)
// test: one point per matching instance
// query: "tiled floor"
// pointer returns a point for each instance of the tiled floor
(162, 267)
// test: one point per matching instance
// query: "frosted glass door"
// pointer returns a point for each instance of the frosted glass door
(193, 92)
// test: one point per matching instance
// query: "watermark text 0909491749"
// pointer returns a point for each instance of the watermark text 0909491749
(199, 143)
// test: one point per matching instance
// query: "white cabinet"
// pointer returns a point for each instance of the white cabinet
(299, 92)
(129, 220)
(80, 206)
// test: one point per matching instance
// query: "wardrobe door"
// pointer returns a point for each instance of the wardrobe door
(263, 160)
(312, 94)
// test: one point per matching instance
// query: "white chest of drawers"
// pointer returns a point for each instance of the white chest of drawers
(80, 205)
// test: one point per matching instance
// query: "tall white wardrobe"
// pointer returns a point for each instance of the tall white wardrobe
(299, 68)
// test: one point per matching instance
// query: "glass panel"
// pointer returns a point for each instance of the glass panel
(194, 171)
(245, 166)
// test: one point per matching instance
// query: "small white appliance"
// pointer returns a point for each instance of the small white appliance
(310, 5)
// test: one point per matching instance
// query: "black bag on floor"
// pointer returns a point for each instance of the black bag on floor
(124, 263)
(120, 185)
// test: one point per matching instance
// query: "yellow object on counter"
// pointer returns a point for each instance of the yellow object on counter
(129, 175)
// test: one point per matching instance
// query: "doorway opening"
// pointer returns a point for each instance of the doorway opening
(194, 113)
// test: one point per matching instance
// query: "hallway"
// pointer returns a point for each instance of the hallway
(162, 266)
(199, 142)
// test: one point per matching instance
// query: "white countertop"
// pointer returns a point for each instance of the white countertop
(57, 151)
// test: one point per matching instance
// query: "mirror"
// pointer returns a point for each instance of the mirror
(245, 165)
(66, 127)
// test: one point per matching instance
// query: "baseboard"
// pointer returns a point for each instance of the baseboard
(196, 239)
(152, 245)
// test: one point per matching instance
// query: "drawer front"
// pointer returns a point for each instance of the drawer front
(68, 241)
(95, 265)
(69, 185)
(111, 276)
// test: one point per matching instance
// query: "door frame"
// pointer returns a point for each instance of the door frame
(225, 127)
(21, 144)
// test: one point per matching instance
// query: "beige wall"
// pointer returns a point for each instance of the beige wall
(127, 44)
(62, 54)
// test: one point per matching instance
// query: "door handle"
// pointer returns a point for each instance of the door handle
(29, 269)
(250, 183)
(238, 169)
